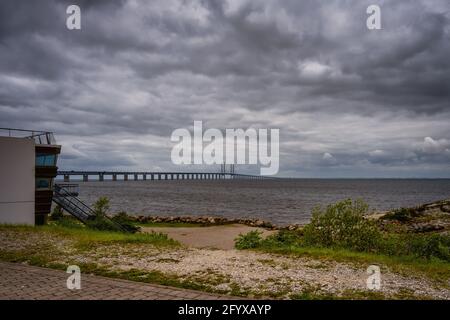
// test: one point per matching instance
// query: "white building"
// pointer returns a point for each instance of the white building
(27, 169)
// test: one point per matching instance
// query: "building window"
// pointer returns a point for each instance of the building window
(45, 160)
(43, 183)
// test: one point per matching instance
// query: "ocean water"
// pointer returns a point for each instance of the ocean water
(279, 201)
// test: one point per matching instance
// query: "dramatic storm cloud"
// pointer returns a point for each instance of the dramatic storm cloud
(349, 102)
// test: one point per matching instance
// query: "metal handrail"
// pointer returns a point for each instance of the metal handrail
(36, 135)
(63, 192)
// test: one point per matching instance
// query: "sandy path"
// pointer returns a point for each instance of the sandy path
(219, 237)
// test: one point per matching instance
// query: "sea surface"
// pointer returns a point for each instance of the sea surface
(281, 201)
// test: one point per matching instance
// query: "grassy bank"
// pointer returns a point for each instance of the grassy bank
(84, 236)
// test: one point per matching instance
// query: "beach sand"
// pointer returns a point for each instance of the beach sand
(218, 237)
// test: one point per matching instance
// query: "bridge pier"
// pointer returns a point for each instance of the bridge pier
(114, 177)
(144, 177)
(125, 177)
(100, 177)
(85, 178)
(66, 178)
(135, 177)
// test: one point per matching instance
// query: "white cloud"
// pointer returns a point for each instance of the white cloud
(435, 146)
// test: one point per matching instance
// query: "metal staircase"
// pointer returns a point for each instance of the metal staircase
(77, 208)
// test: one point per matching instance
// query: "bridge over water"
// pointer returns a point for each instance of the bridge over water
(138, 175)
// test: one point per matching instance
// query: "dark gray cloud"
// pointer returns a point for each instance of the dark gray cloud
(348, 101)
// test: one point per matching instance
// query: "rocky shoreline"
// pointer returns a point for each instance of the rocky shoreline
(210, 221)
(435, 209)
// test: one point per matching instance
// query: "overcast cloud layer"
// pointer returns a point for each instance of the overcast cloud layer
(349, 102)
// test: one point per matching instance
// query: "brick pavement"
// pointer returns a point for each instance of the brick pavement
(19, 281)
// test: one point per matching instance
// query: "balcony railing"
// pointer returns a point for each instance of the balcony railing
(39, 137)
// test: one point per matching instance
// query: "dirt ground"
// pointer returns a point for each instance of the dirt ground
(217, 237)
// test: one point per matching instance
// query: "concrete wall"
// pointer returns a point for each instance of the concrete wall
(17, 182)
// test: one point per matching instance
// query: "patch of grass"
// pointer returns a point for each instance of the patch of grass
(237, 291)
(86, 236)
(67, 221)
(168, 260)
(269, 262)
(310, 292)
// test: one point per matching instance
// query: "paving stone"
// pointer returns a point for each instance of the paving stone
(19, 281)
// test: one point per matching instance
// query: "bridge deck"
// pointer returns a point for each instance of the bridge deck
(155, 175)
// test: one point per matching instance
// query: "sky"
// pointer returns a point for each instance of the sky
(349, 102)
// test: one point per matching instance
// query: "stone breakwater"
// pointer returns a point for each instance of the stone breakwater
(213, 220)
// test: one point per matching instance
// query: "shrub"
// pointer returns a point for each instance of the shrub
(342, 225)
(428, 246)
(248, 241)
(101, 206)
(283, 238)
(57, 213)
(100, 220)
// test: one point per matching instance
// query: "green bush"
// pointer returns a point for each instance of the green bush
(250, 240)
(101, 206)
(57, 213)
(428, 246)
(282, 238)
(100, 220)
(342, 225)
